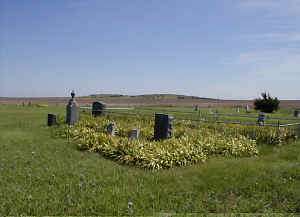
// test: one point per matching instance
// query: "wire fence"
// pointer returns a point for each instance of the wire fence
(205, 117)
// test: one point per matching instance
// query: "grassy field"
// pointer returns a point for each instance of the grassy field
(44, 175)
(283, 116)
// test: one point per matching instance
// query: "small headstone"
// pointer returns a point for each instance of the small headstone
(134, 134)
(297, 113)
(52, 120)
(72, 111)
(111, 129)
(196, 108)
(98, 109)
(238, 109)
(261, 119)
(162, 126)
(247, 108)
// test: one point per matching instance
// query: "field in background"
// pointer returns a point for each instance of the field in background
(44, 175)
(145, 100)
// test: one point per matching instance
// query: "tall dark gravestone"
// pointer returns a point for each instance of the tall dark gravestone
(98, 109)
(162, 126)
(72, 111)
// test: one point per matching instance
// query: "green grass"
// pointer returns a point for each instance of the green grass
(43, 175)
(224, 114)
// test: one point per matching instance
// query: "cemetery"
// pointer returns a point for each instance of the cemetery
(97, 159)
(163, 141)
(150, 108)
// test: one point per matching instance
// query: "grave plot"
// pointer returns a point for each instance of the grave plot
(157, 142)
(183, 144)
(190, 143)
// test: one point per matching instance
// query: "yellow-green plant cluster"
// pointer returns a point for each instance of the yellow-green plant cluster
(262, 135)
(189, 145)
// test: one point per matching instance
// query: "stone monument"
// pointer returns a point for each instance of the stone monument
(134, 134)
(72, 110)
(111, 129)
(162, 126)
(247, 108)
(297, 113)
(261, 119)
(98, 108)
(52, 120)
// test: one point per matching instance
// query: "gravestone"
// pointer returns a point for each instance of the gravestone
(111, 129)
(297, 113)
(238, 109)
(261, 119)
(162, 126)
(134, 134)
(247, 108)
(196, 108)
(52, 120)
(72, 110)
(98, 109)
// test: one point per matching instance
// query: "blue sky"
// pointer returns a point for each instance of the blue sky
(231, 49)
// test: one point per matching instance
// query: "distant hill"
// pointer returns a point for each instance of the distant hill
(150, 96)
(141, 100)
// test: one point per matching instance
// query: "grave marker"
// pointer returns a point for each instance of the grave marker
(162, 126)
(134, 134)
(98, 108)
(52, 120)
(111, 129)
(247, 108)
(297, 113)
(261, 119)
(72, 110)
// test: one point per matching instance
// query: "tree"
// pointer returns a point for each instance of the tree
(266, 103)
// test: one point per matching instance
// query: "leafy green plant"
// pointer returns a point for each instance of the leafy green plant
(262, 135)
(188, 146)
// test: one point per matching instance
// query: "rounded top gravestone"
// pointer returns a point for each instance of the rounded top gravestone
(98, 108)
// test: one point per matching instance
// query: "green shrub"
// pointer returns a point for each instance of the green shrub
(266, 103)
